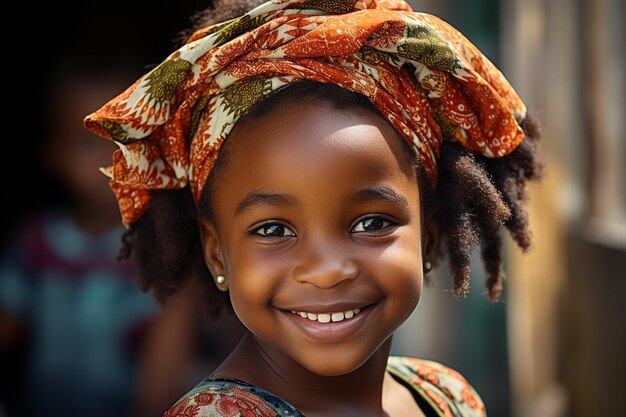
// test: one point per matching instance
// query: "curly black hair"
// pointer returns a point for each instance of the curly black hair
(474, 198)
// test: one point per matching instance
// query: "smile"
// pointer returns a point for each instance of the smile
(328, 317)
(333, 326)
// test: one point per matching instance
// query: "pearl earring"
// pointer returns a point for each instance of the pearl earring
(428, 266)
(220, 279)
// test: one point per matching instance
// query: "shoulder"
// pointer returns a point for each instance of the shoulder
(230, 398)
(443, 387)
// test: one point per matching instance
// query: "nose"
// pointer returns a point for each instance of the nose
(325, 265)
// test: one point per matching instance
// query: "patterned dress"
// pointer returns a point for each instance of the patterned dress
(439, 391)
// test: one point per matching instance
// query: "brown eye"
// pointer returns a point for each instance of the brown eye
(273, 229)
(371, 224)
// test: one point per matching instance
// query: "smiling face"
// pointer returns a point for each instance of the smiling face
(317, 230)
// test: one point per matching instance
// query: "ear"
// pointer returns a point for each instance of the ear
(430, 241)
(212, 252)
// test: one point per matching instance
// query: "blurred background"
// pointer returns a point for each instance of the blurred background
(71, 318)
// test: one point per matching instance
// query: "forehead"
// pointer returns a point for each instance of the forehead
(312, 147)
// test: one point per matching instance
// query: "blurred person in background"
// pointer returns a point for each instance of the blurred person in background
(66, 304)
(77, 337)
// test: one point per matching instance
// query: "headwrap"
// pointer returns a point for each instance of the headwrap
(426, 79)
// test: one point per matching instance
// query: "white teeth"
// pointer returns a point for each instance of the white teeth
(323, 318)
(337, 316)
(328, 317)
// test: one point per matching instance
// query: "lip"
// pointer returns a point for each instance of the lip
(333, 331)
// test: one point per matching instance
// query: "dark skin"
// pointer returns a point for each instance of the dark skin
(320, 216)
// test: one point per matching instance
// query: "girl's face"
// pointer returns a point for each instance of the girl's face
(317, 230)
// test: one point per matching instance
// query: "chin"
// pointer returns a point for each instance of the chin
(335, 364)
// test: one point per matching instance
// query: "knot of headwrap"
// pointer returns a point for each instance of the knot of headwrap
(426, 79)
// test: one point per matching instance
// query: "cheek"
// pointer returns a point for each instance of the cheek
(253, 281)
(401, 276)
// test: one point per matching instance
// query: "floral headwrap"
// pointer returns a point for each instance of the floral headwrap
(426, 79)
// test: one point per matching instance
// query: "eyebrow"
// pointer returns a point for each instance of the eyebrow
(381, 193)
(253, 200)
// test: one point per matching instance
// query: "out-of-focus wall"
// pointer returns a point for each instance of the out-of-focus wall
(566, 311)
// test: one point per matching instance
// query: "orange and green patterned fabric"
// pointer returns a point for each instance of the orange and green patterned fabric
(425, 78)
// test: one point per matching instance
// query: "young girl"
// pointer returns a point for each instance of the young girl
(310, 161)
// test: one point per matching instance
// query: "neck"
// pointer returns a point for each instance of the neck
(358, 392)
